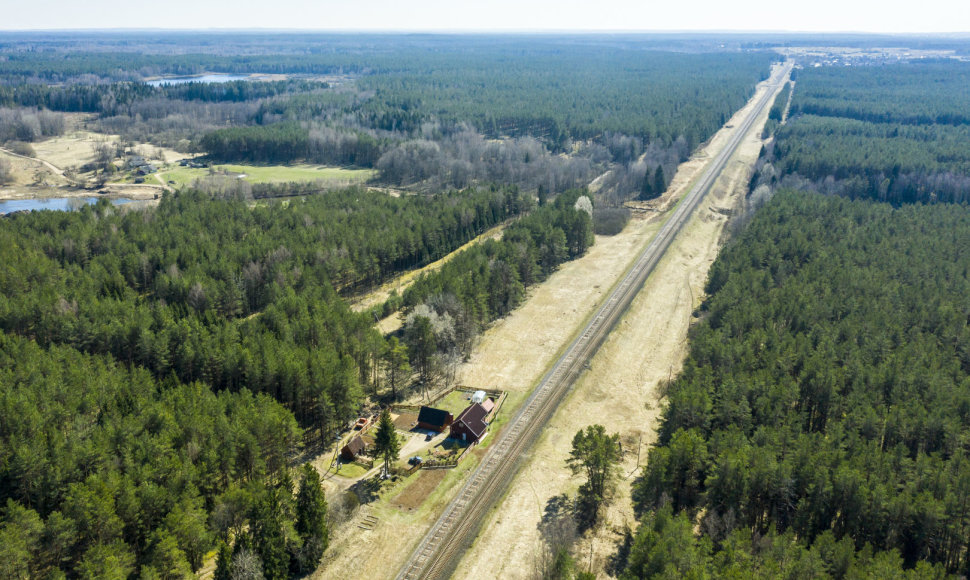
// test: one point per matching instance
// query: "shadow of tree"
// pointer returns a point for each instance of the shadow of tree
(557, 528)
(367, 490)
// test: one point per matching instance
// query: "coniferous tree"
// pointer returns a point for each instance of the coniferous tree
(646, 190)
(596, 454)
(223, 563)
(311, 520)
(398, 366)
(386, 443)
(659, 181)
(268, 535)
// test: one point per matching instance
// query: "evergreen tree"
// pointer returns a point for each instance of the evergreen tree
(646, 190)
(223, 563)
(659, 181)
(398, 366)
(420, 337)
(596, 454)
(311, 522)
(386, 443)
(269, 538)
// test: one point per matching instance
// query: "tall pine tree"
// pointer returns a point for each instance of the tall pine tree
(659, 181)
(386, 443)
(311, 521)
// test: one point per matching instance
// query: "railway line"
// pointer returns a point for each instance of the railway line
(439, 551)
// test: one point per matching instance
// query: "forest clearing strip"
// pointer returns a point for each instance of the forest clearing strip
(438, 552)
(403, 281)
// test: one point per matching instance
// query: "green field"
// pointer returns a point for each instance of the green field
(184, 176)
(454, 402)
(351, 470)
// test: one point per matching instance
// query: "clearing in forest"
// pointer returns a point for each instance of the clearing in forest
(516, 350)
(619, 391)
(336, 176)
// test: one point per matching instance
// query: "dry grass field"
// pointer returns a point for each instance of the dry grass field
(619, 391)
(648, 346)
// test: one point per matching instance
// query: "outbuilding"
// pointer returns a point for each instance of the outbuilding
(353, 449)
(434, 419)
(489, 405)
(470, 426)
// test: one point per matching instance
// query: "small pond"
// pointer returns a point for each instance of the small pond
(52, 203)
(207, 78)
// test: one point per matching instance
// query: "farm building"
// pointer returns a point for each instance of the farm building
(470, 425)
(354, 448)
(434, 419)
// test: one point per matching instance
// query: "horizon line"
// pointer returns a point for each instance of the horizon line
(484, 31)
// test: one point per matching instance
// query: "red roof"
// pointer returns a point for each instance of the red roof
(474, 419)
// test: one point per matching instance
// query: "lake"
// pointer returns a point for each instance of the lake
(209, 78)
(51, 203)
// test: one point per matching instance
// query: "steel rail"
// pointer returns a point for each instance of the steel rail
(438, 552)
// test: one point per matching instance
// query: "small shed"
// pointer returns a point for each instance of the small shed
(478, 396)
(354, 448)
(434, 419)
(489, 405)
(470, 426)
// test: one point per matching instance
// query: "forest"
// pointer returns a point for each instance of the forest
(894, 133)
(819, 425)
(423, 112)
(164, 371)
(204, 308)
(827, 392)
(106, 471)
(253, 302)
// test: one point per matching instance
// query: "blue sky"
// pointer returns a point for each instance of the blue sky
(494, 15)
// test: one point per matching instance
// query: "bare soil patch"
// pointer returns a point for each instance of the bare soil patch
(405, 421)
(417, 491)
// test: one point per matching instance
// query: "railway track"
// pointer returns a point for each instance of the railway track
(441, 548)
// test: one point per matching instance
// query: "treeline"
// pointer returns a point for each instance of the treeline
(572, 93)
(29, 125)
(462, 158)
(237, 297)
(777, 110)
(429, 113)
(107, 99)
(291, 141)
(64, 65)
(825, 402)
(447, 308)
(106, 472)
(891, 133)
(909, 93)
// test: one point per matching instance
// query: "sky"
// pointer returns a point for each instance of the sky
(882, 16)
